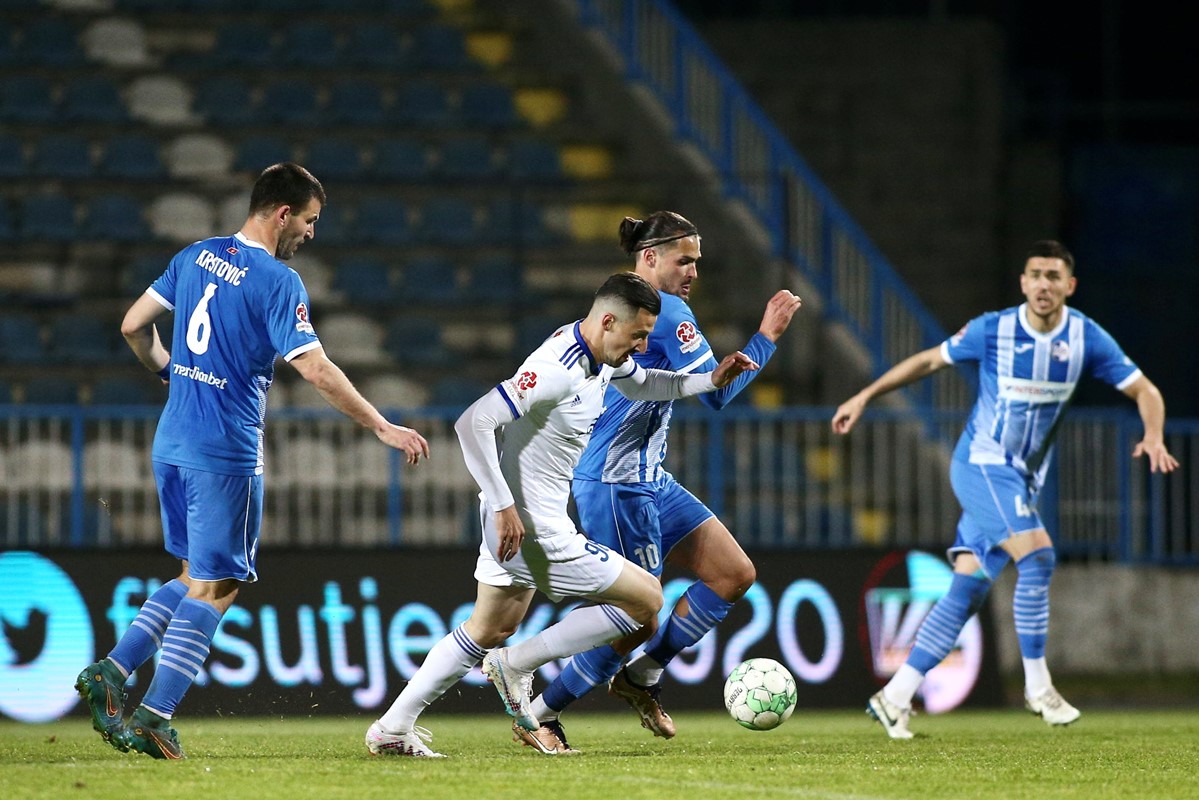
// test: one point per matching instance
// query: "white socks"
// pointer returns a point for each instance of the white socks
(903, 685)
(581, 630)
(447, 662)
(1036, 676)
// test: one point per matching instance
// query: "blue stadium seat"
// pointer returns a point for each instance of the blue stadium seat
(308, 44)
(23, 522)
(384, 220)
(83, 339)
(335, 225)
(499, 278)
(374, 46)
(456, 392)
(8, 222)
(51, 391)
(448, 220)
(430, 280)
(290, 102)
(241, 44)
(12, 157)
(225, 100)
(258, 152)
(415, 342)
(334, 159)
(27, 99)
(93, 98)
(422, 104)
(111, 391)
(511, 222)
(8, 49)
(20, 339)
(355, 103)
(488, 105)
(400, 160)
(116, 218)
(48, 217)
(532, 331)
(51, 42)
(132, 157)
(467, 158)
(534, 159)
(438, 47)
(5, 396)
(364, 282)
(142, 272)
(62, 155)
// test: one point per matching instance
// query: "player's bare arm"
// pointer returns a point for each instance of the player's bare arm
(1152, 409)
(141, 333)
(910, 370)
(511, 531)
(779, 311)
(328, 379)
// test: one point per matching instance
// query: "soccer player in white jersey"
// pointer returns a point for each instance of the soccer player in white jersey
(630, 503)
(237, 306)
(1030, 358)
(546, 412)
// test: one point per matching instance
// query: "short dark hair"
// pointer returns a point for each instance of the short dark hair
(632, 291)
(1050, 248)
(285, 184)
(658, 228)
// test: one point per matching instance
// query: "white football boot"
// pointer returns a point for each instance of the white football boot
(515, 687)
(414, 743)
(893, 718)
(1049, 706)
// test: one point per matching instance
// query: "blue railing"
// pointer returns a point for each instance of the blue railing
(80, 476)
(806, 226)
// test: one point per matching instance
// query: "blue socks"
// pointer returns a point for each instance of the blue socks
(581, 675)
(1030, 604)
(706, 610)
(185, 648)
(143, 637)
(939, 631)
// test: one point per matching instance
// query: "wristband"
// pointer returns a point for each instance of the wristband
(165, 372)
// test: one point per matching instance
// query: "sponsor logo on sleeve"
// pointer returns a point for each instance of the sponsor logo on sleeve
(688, 336)
(526, 381)
(303, 326)
(956, 339)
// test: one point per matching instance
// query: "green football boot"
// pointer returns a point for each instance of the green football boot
(148, 733)
(102, 688)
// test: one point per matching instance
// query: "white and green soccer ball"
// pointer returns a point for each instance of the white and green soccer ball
(760, 694)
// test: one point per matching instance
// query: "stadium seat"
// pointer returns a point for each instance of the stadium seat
(355, 103)
(93, 98)
(83, 339)
(336, 224)
(62, 155)
(416, 342)
(5, 399)
(200, 156)
(258, 152)
(240, 44)
(364, 282)
(51, 42)
(438, 47)
(112, 391)
(8, 223)
(132, 157)
(182, 217)
(384, 220)
(290, 102)
(449, 220)
(395, 391)
(457, 393)
(51, 391)
(335, 159)
(374, 46)
(422, 104)
(487, 105)
(12, 157)
(308, 44)
(523, 223)
(467, 158)
(497, 278)
(20, 339)
(8, 49)
(400, 160)
(21, 520)
(533, 330)
(111, 465)
(115, 217)
(115, 41)
(160, 100)
(48, 217)
(534, 159)
(359, 339)
(27, 99)
(226, 101)
(430, 280)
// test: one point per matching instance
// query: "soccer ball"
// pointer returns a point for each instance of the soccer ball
(760, 694)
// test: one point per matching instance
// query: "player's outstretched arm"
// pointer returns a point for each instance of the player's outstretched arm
(328, 379)
(660, 384)
(910, 370)
(1152, 409)
(141, 334)
(779, 311)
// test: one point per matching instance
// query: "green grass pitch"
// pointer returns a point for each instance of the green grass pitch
(834, 755)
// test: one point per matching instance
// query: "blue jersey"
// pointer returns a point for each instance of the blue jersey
(629, 440)
(1025, 381)
(236, 308)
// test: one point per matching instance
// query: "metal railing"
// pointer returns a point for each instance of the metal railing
(80, 476)
(758, 167)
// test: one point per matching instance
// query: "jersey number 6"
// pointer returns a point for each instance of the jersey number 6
(199, 324)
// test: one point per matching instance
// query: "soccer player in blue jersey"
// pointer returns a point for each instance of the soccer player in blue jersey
(237, 306)
(627, 500)
(1030, 358)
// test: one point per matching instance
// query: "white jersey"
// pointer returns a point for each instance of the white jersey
(556, 396)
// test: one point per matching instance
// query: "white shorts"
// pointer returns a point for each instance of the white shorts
(558, 560)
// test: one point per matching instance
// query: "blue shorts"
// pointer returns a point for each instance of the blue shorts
(998, 502)
(641, 521)
(210, 520)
